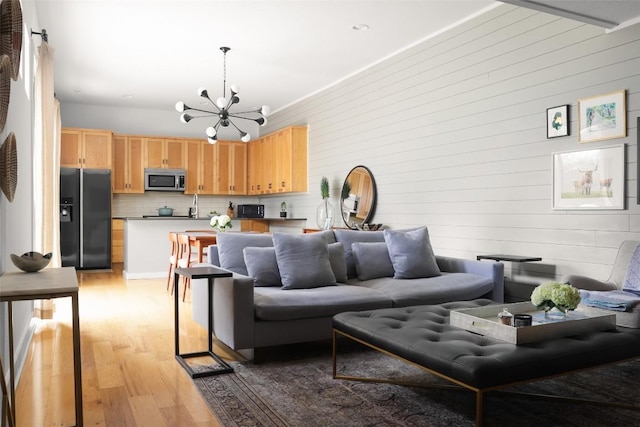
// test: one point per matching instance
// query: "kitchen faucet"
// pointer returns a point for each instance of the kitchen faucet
(194, 203)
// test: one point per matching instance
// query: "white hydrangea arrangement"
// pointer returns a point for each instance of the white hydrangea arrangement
(548, 295)
(221, 222)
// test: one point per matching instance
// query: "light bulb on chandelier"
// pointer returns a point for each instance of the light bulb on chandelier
(222, 107)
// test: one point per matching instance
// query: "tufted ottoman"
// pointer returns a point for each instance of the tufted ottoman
(423, 336)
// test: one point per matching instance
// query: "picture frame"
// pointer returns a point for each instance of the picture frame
(589, 179)
(558, 121)
(602, 117)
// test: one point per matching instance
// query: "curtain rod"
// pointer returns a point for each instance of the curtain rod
(43, 34)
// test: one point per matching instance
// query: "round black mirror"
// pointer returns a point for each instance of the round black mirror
(358, 197)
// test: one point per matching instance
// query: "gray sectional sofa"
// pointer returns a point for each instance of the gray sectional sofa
(286, 288)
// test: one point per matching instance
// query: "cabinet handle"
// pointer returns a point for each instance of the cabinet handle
(283, 184)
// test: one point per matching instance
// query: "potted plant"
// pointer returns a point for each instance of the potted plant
(283, 210)
(325, 210)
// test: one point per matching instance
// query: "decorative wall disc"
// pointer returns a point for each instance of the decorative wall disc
(9, 167)
(5, 88)
(11, 33)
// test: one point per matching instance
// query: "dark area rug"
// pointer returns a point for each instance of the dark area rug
(293, 386)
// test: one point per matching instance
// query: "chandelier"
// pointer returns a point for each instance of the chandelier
(222, 107)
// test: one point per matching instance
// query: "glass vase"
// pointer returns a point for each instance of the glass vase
(555, 314)
(325, 214)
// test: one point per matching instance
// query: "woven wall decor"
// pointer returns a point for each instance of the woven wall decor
(5, 89)
(11, 33)
(9, 167)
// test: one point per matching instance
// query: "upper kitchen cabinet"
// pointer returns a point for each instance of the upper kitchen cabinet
(164, 153)
(278, 162)
(85, 148)
(201, 162)
(128, 164)
(232, 167)
(290, 166)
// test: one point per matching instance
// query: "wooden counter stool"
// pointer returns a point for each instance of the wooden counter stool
(173, 258)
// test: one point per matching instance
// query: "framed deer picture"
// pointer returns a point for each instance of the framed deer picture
(589, 179)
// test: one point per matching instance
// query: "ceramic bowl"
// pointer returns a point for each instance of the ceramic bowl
(31, 262)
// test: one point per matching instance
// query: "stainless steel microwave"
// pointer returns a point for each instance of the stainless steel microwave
(164, 179)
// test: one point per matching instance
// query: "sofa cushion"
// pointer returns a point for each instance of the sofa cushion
(338, 263)
(372, 260)
(348, 237)
(262, 266)
(231, 245)
(277, 304)
(432, 290)
(303, 260)
(411, 254)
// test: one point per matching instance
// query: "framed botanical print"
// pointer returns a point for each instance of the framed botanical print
(602, 117)
(558, 121)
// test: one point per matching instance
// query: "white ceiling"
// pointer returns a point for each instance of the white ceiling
(153, 53)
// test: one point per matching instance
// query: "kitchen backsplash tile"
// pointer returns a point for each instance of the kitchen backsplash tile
(137, 205)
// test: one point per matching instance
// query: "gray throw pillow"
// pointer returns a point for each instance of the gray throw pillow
(303, 261)
(262, 266)
(338, 262)
(348, 237)
(230, 246)
(411, 254)
(372, 260)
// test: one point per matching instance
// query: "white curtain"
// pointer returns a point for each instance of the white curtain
(46, 176)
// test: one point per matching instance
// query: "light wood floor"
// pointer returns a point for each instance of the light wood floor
(129, 373)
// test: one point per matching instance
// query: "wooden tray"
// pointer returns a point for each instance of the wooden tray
(484, 321)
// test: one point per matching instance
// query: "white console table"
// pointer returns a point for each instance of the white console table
(45, 284)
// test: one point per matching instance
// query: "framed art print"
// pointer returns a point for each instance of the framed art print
(602, 117)
(557, 121)
(589, 179)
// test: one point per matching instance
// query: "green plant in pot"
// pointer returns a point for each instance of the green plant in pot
(326, 211)
(283, 210)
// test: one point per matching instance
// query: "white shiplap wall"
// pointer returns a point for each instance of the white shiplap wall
(454, 131)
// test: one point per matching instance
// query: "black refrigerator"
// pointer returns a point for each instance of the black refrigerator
(85, 218)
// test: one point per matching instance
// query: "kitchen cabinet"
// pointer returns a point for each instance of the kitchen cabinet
(201, 161)
(278, 162)
(290, 166)
(163, 153)
(259, 161)
(117, 240)
(255, 225)
(232, 167)
(85, 148)
(128, 165)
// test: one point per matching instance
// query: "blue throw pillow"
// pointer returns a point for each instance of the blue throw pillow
(230, 247)
(411, 254)
(303, 261)
(632, 278)
(262, 266)
(338, 261)
(348, 237)
(372, 260)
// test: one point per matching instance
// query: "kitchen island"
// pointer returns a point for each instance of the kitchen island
(147, 247)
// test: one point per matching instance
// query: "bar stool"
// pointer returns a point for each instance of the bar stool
(173, 258)
(184, 259)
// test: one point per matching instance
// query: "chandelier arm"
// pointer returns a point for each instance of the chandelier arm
(235, 116)
(210, 114)
(257, 110)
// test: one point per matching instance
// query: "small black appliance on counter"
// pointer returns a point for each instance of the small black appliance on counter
(250, 211)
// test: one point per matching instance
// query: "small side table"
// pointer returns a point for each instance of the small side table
(47, 283)
(209, 273)
(511, 258)
(514, 291)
